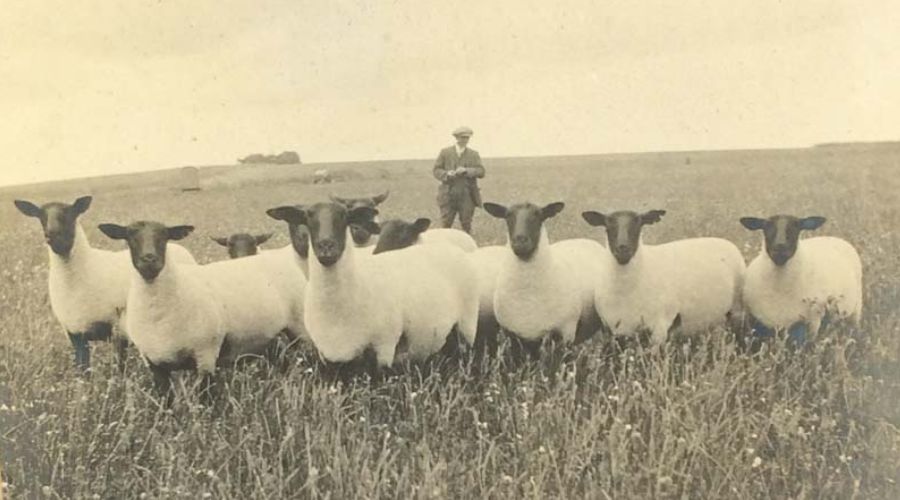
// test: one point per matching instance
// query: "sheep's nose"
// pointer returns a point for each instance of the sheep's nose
(520, 240)
(621, 248)
(149, 258)
(327, 246)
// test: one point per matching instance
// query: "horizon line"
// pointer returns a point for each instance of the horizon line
(555, 155)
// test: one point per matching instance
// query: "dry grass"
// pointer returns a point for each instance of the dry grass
(711, 424)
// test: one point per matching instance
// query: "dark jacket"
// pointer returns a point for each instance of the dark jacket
(461, 185)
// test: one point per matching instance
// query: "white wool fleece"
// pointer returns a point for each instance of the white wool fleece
(698, 278)
(824, 272)
(550, 292)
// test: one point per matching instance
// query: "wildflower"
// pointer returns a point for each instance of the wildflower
(757, 462)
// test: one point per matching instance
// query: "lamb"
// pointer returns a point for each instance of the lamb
(241, 304)
(363, 238)
(693, 283)
(242, 244)
(88, 286)
(541, 288)
(397, 234)
(798, 284)
(365, 307)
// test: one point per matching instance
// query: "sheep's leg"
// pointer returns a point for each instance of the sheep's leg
(659, 333)
(121, 352)
(82, 352)
(162, 381)
(371, 364)
(567, 332)
(522, 349)
(799, 332)
(207, 388)
(588, 326)
(486, 341)
(206, 367)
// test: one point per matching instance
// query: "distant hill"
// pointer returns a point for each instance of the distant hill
(860, 145)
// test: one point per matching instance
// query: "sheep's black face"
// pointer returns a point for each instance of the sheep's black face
(58, 222)
(242, 244)
(360, 232)
(623, 230)
(524, 222)
(397, 234)
(782, 233)
(147, 243)
(328, 232)
(328, 223)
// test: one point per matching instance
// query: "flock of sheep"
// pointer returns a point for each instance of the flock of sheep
(383, 292)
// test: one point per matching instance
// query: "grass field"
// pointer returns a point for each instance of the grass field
(713, 425)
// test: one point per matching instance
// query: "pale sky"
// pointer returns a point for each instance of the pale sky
(96, 87)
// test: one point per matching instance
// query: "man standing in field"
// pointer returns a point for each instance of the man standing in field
(458, 167)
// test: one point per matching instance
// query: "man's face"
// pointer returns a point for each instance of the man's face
(462, 140)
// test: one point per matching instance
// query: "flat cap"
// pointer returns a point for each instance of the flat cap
(465, 131)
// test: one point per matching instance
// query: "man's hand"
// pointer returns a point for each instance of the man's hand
(460, 171)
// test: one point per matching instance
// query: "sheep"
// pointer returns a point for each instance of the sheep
(259, 296)
(88, 286)
(693, 283)
(799, 283)
(361, 237)
(362, 307)
(174, 317)
(541, 288)
(242, 244)
(397, 233)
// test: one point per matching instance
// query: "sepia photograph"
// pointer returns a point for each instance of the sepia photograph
(510, 249)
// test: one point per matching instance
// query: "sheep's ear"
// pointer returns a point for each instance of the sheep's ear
(262, 238)
(292, 214)
(652, 217)
(421, 225)
(176, 233)
(221, 241)
(495, 209)
(753, 223)
(811, 223)
(552, 209)
(379, 199)
(364, 218)
(28, 208)
(82, 204)
(594, 218)
(114, 231)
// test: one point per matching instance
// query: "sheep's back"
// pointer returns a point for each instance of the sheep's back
(253, 308)
(449, 236)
